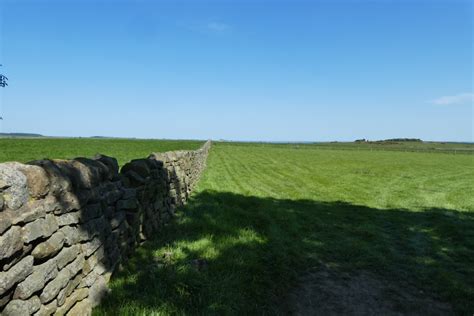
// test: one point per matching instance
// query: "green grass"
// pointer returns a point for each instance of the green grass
(425, 147)
(28, 149)
(263, 215)
(404, 146)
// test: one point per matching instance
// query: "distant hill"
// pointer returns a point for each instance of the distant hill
(20, 135)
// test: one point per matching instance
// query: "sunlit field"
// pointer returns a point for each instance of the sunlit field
(264, 215)
(24, 150)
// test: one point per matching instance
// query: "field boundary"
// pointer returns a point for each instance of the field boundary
(67, 225)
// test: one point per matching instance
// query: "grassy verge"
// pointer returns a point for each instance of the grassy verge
(263, 215)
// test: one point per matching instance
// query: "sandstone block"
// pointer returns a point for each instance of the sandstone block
(89, 279)
(100, 269)
(81, 174)
(65, 292)
(48, 309)
(52, 289)
(73, 235)
(10, 242)
(15, 192)
(98, 171)
(51, 204)
(75, 266)
(90, 247)
(67, 255)
(6, 221)
(172, 155)
(37, 280)
(20, 308)
(50, 246)
(82, 308)
(43, 227)
(58, 181)
(16, 257)
(69, 218)
(3, 184)
(111, 163)
(138, 166)
(5, 299)
(69, 202)
(29, 212)
(73, 284)
(37, 180)
(93, 260)
(16, 274)
(76, 296)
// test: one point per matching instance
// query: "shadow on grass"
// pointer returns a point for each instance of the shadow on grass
(233, 254)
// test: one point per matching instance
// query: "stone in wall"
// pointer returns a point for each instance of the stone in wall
(37, 280)
(15, 274)
(13, 184)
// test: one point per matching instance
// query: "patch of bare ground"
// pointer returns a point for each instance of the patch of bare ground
(329, 292)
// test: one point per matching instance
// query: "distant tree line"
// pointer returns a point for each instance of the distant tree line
(391, 140)
(403, 140)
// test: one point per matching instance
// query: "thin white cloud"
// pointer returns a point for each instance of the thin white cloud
(217, 27)
(461, 98)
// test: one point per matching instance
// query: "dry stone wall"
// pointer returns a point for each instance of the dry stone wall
(65, 225)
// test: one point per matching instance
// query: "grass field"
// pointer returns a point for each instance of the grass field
(404, 146)
(24, 150)
(428, 147)
(264, 216)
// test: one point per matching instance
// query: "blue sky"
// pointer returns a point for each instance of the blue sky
(239, 70)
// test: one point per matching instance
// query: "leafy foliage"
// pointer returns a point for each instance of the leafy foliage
(3, 80)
